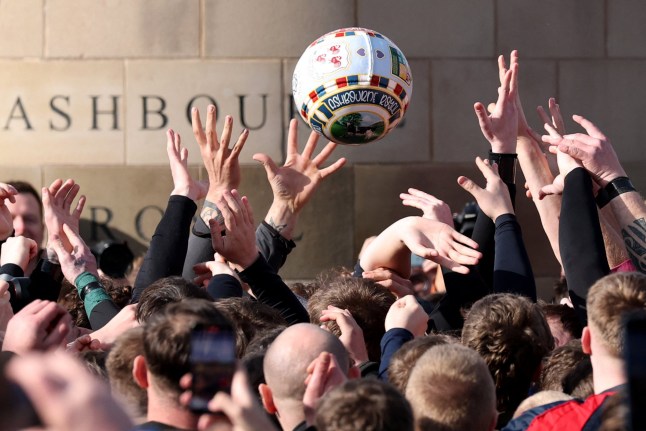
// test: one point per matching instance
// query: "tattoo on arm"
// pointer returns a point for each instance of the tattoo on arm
(635, 240)
(279, 227)
(79, 262)
(211, 211)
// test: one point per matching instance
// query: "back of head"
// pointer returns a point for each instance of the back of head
(119, 364)
(165, 291)
(367, 301)
(406, 357)
(364, 404)
(450, 389)
(250, 318)
(512, 336)
(563, 321)
(609, 300)
(286, 361)
(567, 369)
(167, 339)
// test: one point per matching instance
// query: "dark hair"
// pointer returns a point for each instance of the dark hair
(249, 318)
(167, 338)
(364, 404)
(23, 187)
(367, 301)
(566, 315)
(71, 301)
(165, 291)
(512, 336)
(119, 364)
(94, 361)
(567, 369)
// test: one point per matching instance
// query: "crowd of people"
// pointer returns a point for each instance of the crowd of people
(433, 329)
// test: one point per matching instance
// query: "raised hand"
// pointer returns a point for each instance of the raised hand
(220, 161)
(432, 207)
(183, 183)
(6, 221)
(323, 375)
(566, 164)
(295, 182)
(40, 325)
(500, 127)
(237, 242)
(406, 313)
(18, 250)
(392, 281)
(351, 333)
(594, 150)
(65, 395)
(57, 204)
(240, 409)
(440, 243)
(77, 262)
(206, 270)
(494, 199)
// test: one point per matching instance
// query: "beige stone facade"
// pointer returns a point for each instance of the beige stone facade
(88, 88)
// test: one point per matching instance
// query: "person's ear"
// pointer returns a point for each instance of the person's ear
(586, 342)
(140, 372)
(267, 399)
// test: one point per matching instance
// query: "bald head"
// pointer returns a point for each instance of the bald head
(288, 357)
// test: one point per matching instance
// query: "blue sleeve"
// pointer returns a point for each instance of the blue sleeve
(392, 341)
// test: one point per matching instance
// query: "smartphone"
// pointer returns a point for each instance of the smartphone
(635, 356)
(212, 363)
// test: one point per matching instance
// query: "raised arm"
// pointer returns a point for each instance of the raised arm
(512, 270)
(429, 239)
(292, 185)
(235, 241)
(168, 246)
(223, 170)
(535, 167)
(598, 157)
(79, 268)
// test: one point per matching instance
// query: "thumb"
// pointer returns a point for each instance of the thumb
(268, 163)
(471, 187)
(547, 190)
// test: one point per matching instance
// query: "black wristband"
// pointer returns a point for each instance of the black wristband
(613, 189)
(506, 165)
(94, 285)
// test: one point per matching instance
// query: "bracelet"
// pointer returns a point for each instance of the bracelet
(506, 165)
(614, 188)
(94, 285)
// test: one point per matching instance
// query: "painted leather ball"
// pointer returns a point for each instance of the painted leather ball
(352, 86)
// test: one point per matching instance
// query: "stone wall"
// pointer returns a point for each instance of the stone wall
(89, 86)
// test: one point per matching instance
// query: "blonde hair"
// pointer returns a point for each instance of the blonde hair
(609, 300)
(450, 389)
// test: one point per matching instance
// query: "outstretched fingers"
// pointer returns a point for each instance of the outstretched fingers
(589, 127)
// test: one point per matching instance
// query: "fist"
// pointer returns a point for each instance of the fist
(406, 313)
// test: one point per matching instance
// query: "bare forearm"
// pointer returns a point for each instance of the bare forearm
(630, 211)
(612, 238)
(537, 174)
(387, 250)
(282, 218)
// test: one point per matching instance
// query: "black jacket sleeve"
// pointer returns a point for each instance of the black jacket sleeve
(512, 271)
(168, 246)
(269, 288)
(580, 240)
(271, 244)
